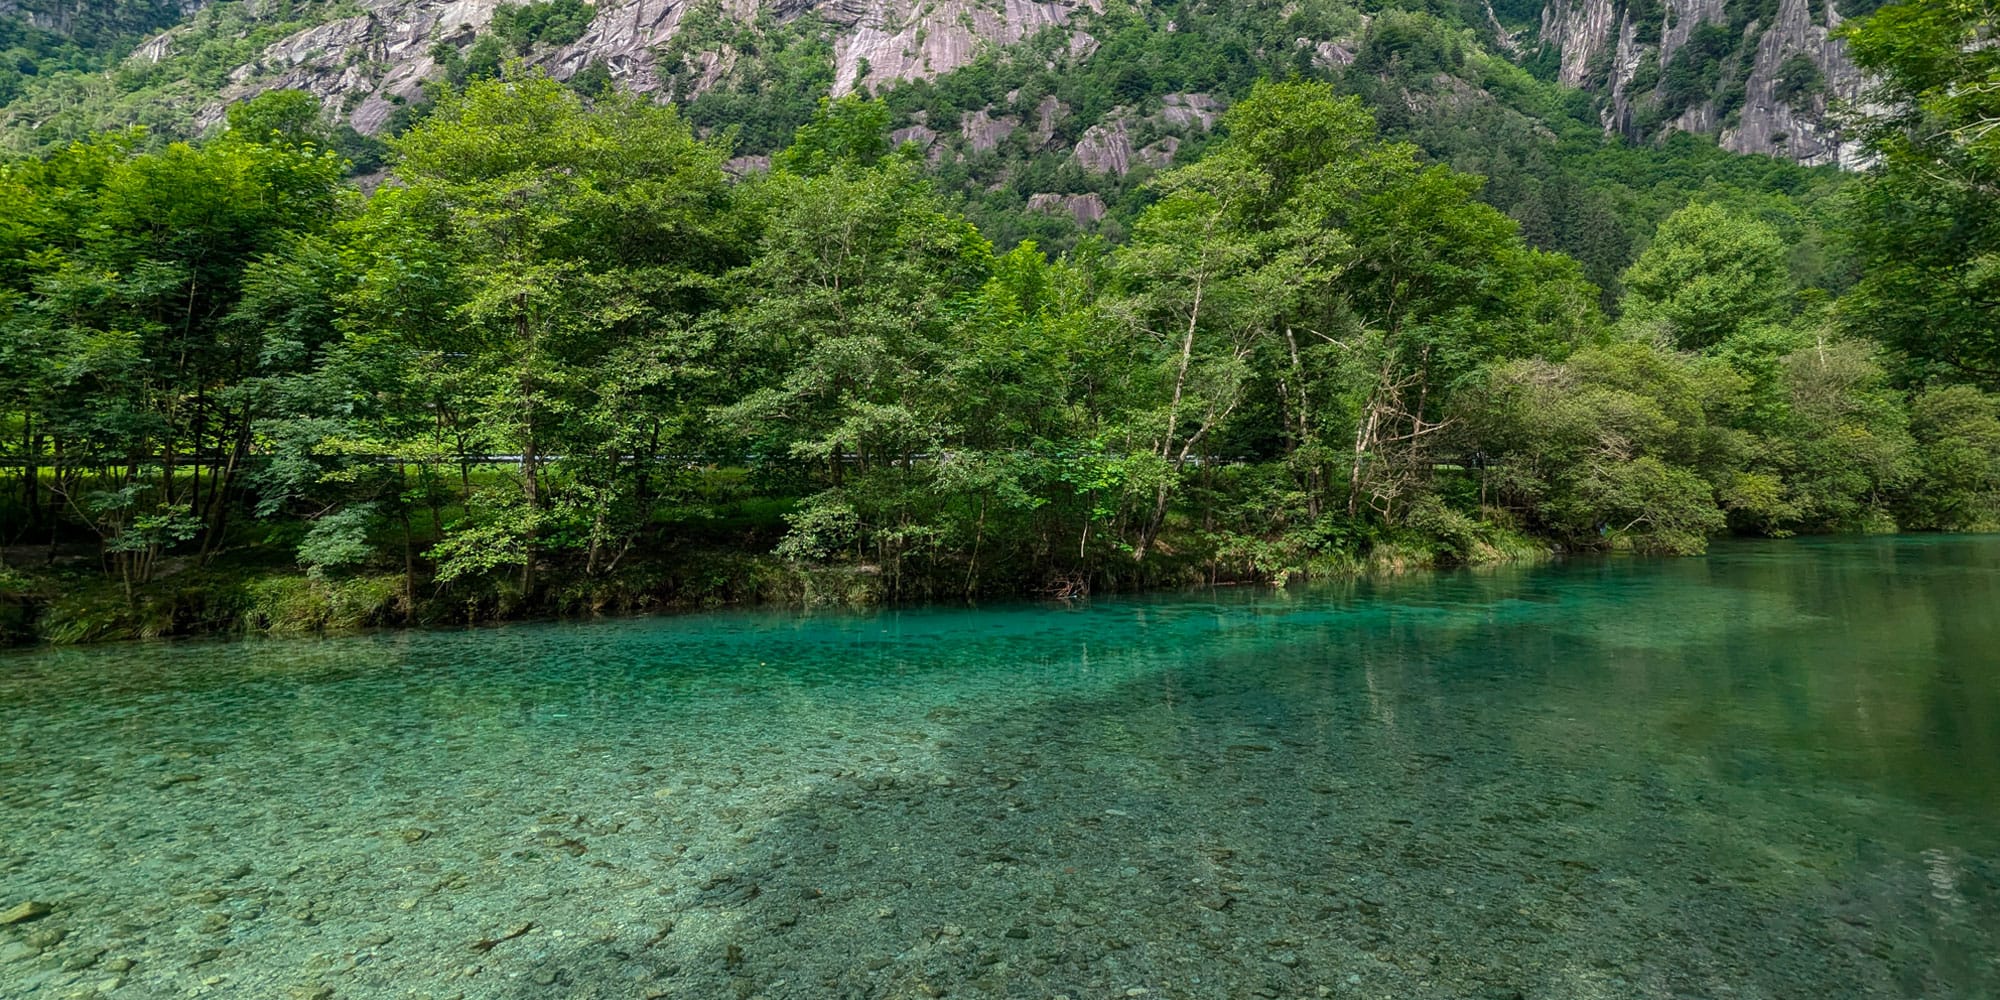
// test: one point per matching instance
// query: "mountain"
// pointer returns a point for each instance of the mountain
(1044, 119)
(1757, 74)
(365, 63)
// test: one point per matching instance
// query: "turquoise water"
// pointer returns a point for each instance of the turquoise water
(1772, 772)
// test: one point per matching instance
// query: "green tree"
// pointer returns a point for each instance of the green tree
(844, 315)
(285, 118)
(1957, 429)
(538, 272)
(144, 381)
(1926, 226)
(1620, 445)
(1708, 272)
(846, 133)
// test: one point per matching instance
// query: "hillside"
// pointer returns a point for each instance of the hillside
(1046, 118)
(1757, 73)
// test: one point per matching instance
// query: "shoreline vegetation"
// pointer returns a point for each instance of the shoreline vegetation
(78, 605)
(559, 362)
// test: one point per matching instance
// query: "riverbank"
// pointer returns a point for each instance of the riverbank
(246, 593)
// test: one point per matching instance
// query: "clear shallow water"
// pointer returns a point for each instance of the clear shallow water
(1772, 772)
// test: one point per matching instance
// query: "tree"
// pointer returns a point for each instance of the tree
(1708, 272)
(146, 381)
(1617, 445)
(843, 316)
(844, 133)
(285, 118)
(1926, 226)
(1957, 429)
(537, 274)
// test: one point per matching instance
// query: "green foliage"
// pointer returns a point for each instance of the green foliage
(549, 22)
(593, 80)
(82, 83)
(1708, 271)
(338, 539)
(1609, 446)
(1409, 44)
(772, 73)
(558, 360)
(1691, 76)
(287, 605)
(1927, 225)
(284, 118)
(843, 134)
(1799, 81)
(1957, 430)
(123, 340)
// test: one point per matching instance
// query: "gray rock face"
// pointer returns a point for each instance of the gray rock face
(887, 40)
(1160, 155)
(925, 138)
(1112, 146)
(1047, 114)
(1084, 208)
(1106, 148)
(1330, 55)
(1795, 124)
(362, 66)
(1190, 110)
(1597, 45)
(1577, 30)
(983, 132)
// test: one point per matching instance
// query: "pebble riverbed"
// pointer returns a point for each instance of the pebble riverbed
(1694, 779)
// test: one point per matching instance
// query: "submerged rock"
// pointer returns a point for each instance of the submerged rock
(25, 911)
(83, 960)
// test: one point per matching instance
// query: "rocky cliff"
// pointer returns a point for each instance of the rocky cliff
(364, 64)
(1757, 74)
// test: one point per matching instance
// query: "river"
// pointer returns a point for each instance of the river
(1773, 772)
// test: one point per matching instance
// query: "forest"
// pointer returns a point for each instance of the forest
(560, 360)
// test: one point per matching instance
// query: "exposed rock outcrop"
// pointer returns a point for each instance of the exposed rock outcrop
(1577, 30)
(364, 65)
(1778, 107)
(924, 137)
(1198, 111)
(1112, 145)
(1106, 148)
(1084, 208)
(1786, 115)
(983, 132)
(882, 41)
(1331, 55)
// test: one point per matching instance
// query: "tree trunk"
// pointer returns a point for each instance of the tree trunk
(218, 513)
(1158, 518)
(1301, 405)
(409, 554)
(31, 473)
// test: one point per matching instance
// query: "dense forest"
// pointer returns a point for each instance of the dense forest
(561, 359)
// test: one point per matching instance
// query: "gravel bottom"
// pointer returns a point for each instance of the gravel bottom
(1154, 800)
